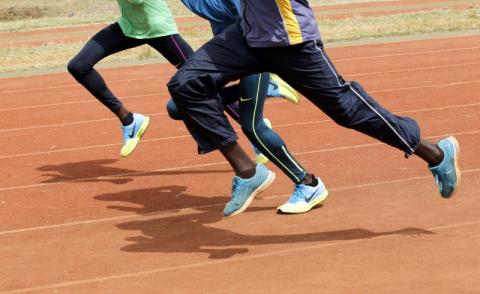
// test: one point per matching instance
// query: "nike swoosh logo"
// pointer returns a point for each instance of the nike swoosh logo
(245, 99)
(274, 85)
(132, 132)
(307, 199)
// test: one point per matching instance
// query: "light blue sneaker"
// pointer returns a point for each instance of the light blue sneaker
(304, 198)
(133, 132)
(447, 174)
(244, 190)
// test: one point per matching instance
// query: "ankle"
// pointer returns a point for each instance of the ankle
(435, 161)
(246, 174)
(310, 180)
(429, 152)
(127, 119)
(241, 163)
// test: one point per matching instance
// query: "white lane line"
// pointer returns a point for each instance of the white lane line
(81, 122)
(217, 163)
(113, 176)
(165, 93)
(474, 132)
(157, 94)
(439, 108)
(407, 54)
(71, 85)
(187, 136)
(412, 69)
(269, 102)
(173, 212)
(458, 83)
(229, 260)
(45, 105)
(90, 147)
(164, 113)
(160, 76)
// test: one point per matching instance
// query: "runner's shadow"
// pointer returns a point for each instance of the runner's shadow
(193, 230)
(161, 199)
(101, 171)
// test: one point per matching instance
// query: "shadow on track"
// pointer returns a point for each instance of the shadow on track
(101, 170)
(168, 229)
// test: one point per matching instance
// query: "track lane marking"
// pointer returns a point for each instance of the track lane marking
(193, 209)
(341, 148)
(230, 260)
(169, 75)
(159, 94)
(187, 135)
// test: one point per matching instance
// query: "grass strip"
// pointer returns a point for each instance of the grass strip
(55, 54)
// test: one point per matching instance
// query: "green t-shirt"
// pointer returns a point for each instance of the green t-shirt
(146, 19)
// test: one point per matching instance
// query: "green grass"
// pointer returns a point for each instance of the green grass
(441, 20)
(23, 15)
(57, 54)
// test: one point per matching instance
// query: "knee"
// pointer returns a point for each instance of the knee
(77, 67)
(347, 110)
(188, 85)
(172, 110)
(175, 87)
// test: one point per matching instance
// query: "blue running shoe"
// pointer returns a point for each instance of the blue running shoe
(447, 173)
(304, 198)
(244, 190)
(279, 88)
(133, 132)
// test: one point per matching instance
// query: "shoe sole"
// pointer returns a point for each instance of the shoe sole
(457, 168)
(320, 199)
(260, 189)
(141, 131)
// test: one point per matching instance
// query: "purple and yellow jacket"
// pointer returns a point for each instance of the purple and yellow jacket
(275, 23)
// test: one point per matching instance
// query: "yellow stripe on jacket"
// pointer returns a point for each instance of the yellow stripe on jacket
(292, 27)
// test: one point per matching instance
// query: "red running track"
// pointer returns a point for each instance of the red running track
(74, 218)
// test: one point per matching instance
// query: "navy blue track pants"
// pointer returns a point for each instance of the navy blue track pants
(244, 102)
(305, 67)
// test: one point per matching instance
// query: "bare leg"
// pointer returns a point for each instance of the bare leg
(308, 179)
(243, 165)
(124, 115)
(429, 152)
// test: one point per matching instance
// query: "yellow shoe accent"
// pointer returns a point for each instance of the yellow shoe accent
(261, 159)
(286, 91)
(302, 207)
(131, 144)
